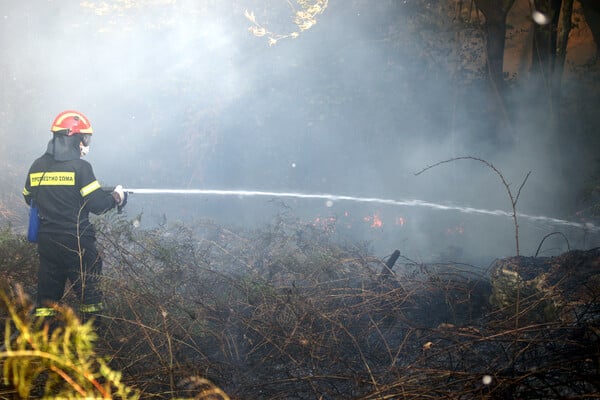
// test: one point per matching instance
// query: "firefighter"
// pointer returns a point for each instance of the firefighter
(65, 190)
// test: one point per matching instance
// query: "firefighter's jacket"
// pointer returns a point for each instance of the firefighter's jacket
(65, 190)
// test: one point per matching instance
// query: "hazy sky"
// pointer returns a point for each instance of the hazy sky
(181, 95)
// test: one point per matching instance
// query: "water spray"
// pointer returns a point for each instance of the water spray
(333, 197)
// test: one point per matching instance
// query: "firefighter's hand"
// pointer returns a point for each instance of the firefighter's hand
(120, 196)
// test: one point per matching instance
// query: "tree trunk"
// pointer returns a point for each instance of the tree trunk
(591, 12)
(544, 49)
(564, 27)
(495, 12)
(495, 26)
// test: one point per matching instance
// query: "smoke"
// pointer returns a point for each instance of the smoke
(181, 95)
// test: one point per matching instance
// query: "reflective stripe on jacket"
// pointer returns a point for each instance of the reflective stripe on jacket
(65, 193)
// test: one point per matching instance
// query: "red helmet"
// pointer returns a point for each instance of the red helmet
(73, 121)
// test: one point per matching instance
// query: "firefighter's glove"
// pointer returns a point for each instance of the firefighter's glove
(120, 197)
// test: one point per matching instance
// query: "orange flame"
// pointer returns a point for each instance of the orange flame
(375, 221)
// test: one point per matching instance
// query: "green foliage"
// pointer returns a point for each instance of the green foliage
(58, 352)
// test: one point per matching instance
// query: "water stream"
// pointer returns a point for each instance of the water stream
(334, 197)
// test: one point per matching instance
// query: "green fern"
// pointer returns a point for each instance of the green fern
(62, 357)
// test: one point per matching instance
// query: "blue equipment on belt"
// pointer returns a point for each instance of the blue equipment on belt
(34, 223)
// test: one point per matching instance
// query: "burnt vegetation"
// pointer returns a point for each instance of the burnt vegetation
(289, 312)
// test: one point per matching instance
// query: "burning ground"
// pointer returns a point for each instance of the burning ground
(287, 311)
